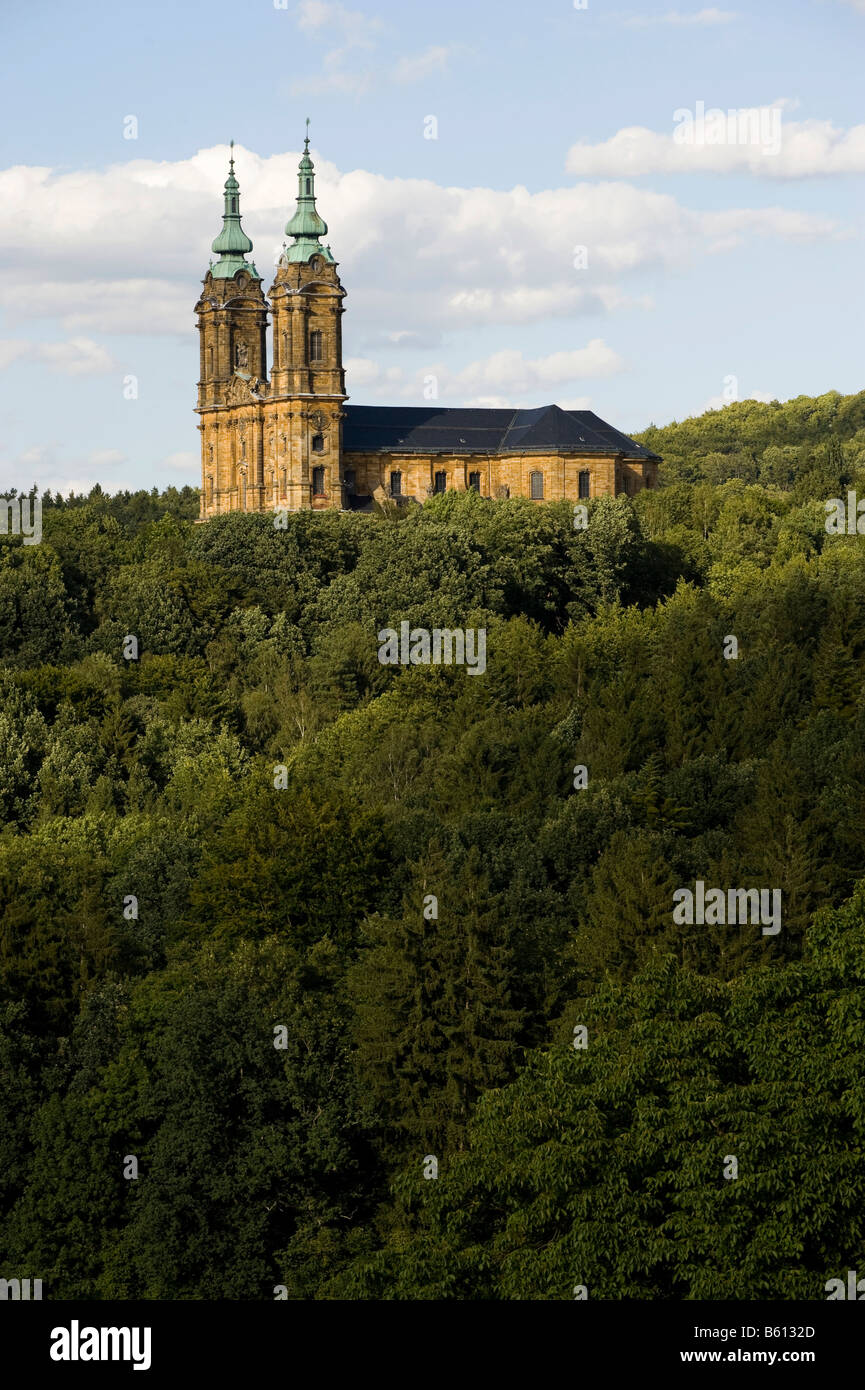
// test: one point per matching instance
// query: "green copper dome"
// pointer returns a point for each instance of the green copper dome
(232, 244)
(306, 226)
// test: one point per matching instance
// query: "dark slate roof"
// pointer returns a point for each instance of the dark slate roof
(404, 429)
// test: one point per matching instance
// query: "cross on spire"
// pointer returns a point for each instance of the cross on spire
(306, 142)
(231, 160)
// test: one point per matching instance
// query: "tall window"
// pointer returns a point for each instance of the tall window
(318, 482)
(318, 443)
(396, 484)
(585, 481)
(309, 185)
(315, 348)
(349, 480)
(475, 481)
(210, 361)
(440, 483)
(537, 481)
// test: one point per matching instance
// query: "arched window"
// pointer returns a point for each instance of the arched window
(537, 483)
(585, 483)
(309, 185)
(396, 484)
(475, 482)
(318, 443)
(318, 482)
(315, 345)
(441, 482)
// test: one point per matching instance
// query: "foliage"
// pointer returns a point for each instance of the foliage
(243, 828)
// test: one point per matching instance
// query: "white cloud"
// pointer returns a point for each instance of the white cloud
(416, 258)
(106, 458)
(182, 461)
(515, 403)
(35, 456)
(353, 64)
(75, 357)
(335, 77)
(351, 27)
(508, 370)
(360, 372)
(504, 378)
(675, 17)
(11, 349)
(756, 140)
(40, 463)
(433, 60)
(101, 306)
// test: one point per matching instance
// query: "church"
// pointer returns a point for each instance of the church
(287, 438)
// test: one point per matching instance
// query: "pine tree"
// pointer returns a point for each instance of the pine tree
(435, 1023)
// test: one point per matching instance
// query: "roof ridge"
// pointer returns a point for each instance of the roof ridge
(509, 426)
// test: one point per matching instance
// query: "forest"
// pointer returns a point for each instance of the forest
(413, 1020)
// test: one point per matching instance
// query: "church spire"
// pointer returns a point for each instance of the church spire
(232, 244)
(306, 226)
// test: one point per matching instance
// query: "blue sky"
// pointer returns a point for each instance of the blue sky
(707, 267)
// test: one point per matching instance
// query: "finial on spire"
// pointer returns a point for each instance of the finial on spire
(306, 226)
(232, 242)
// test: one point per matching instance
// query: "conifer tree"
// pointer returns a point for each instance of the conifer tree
(435, 1022)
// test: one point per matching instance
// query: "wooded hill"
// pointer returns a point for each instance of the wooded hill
(297, 916)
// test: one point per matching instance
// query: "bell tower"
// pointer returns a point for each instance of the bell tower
(232, 327)
(307, 388)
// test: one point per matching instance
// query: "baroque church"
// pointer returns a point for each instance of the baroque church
(287, 438)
